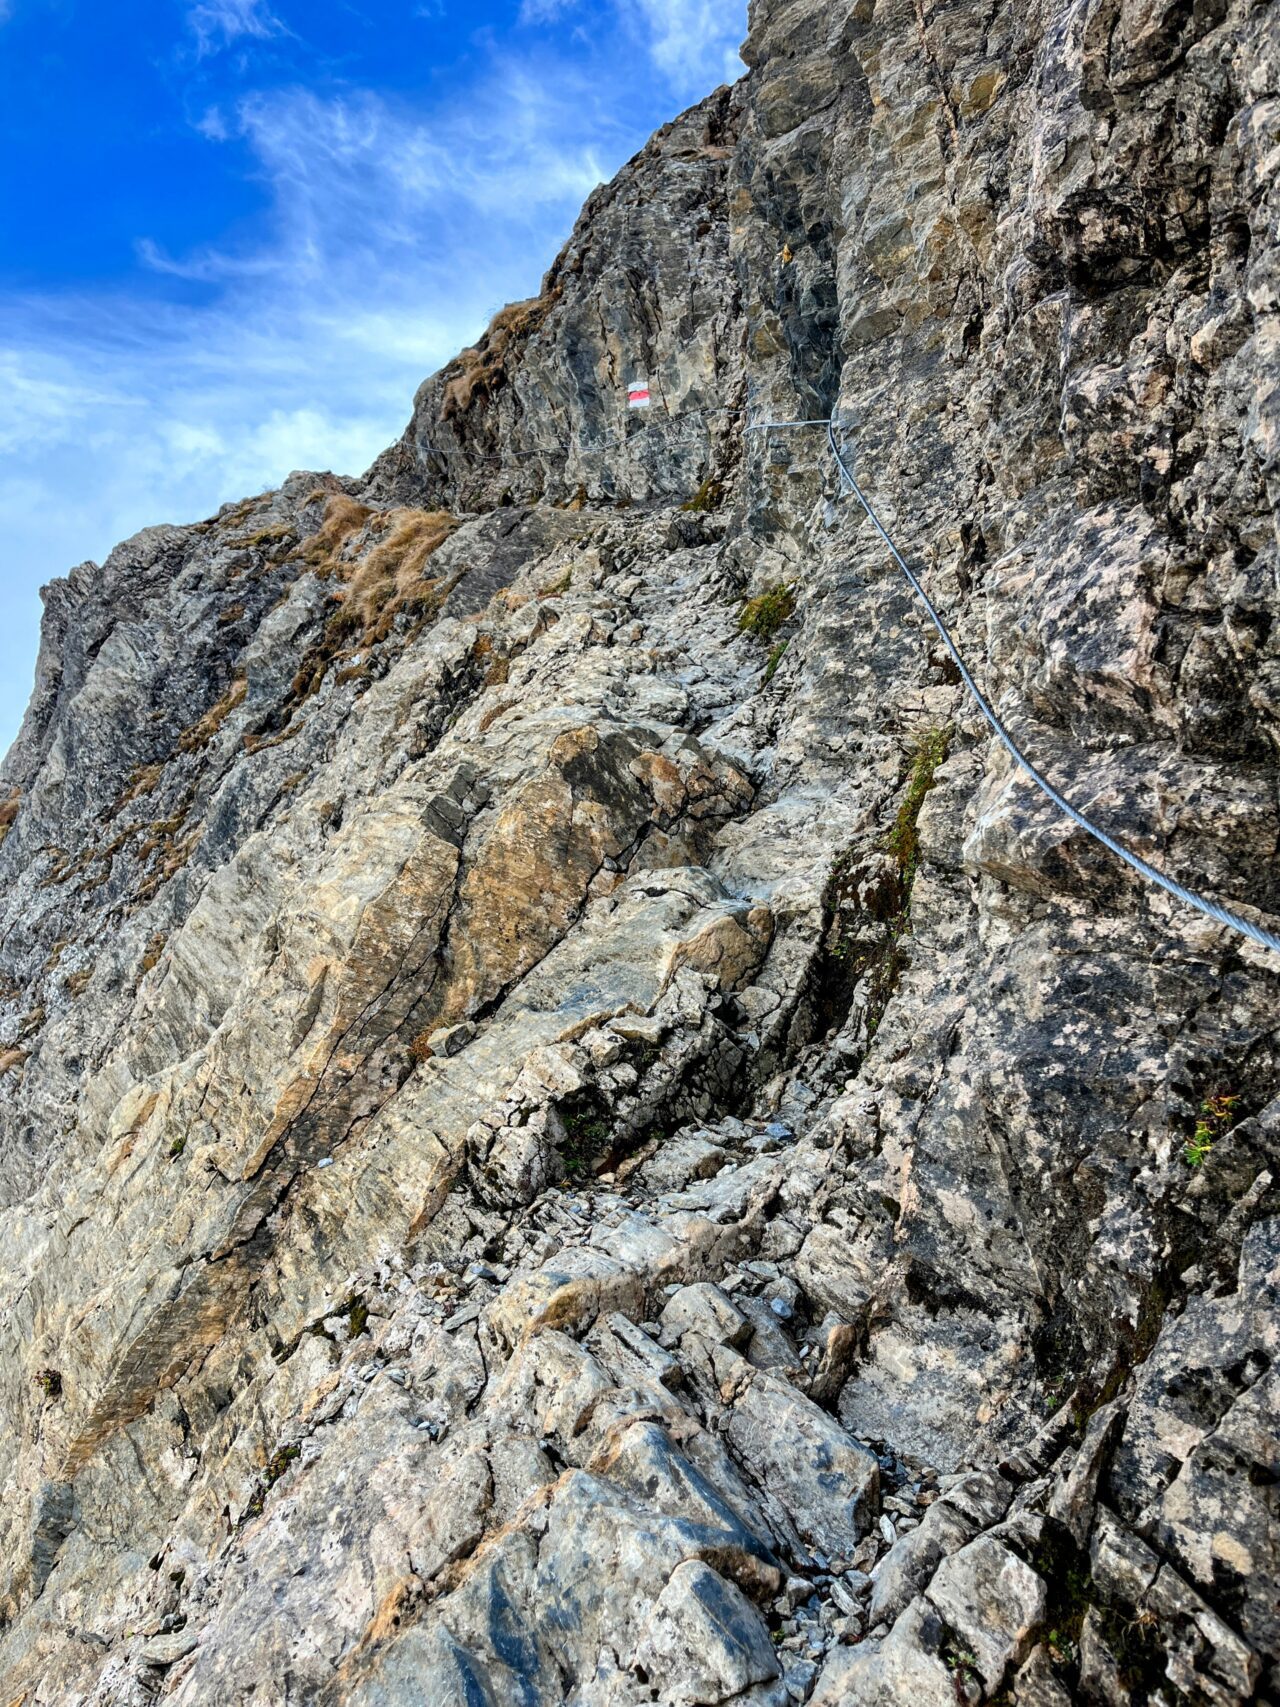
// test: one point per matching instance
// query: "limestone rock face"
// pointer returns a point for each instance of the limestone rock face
(571, 1132)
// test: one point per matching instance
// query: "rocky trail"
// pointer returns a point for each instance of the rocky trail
(572, 1131)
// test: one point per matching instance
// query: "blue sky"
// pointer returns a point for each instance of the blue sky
(236, 234)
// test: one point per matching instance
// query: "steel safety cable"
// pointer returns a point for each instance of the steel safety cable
(1211, 909)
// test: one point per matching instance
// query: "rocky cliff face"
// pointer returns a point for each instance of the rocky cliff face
(572, 1131)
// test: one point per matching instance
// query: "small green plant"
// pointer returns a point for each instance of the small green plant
(177, 1147)
(586, 1136)
(764, 615)
(1062, 1649)
(858, 894)
(49, 1381)
(1196, 1150)
(357, 1318)
(1217, 1116)
(279, 1462)
(775, 658)
(902, 841)
(584, 1145)
(959, 1659)
(1055, 1393)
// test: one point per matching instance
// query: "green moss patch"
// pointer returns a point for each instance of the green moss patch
(764, 615)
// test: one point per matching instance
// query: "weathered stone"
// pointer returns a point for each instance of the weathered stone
(704, 1641)
(1123, 1566)
(824, 1483)
(1100, 1675)
(908, 1567)
(1072, 1501)
(514, 1059)
(993, 1601)
(1205, 1655)
(903, 1668)
(1036, 1685)
(705, 1310)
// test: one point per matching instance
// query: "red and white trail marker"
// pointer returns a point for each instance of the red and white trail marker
(638, 394)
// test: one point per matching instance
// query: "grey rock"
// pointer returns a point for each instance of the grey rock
(450, 1039)
(902, 1668)
(994, 1601)
(1072, 1501)
(704, 1309)
(704, 1640)
(691, 1156)
(442, 825)
(980, 1497)
(824, 1483)
(1036, 1685)
(799, 1675)
(1100, 1673)
(1205, 1654)
(908, 1567)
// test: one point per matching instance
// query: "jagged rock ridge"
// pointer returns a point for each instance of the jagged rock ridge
(570, 1131)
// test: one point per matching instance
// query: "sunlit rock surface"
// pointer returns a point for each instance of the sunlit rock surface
(557, 1148)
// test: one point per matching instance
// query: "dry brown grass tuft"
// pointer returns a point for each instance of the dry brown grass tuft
(142, 780)
(277, 534)
(483, 369)
(162, 830)
(496, 668)
(9, 811)
(342, 518)
(31, 1023)
(391, 577)
(388, 579)
(202, 732)
(173, 857)
(263, 743)
(490, 717)
(64, 868)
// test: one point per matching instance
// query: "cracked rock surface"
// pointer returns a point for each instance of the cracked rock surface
(571, 1132)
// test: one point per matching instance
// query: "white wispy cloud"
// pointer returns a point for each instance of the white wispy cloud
(693, 44)
(217, 23)
(393, 238)
(361, 171)
(392, 235)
